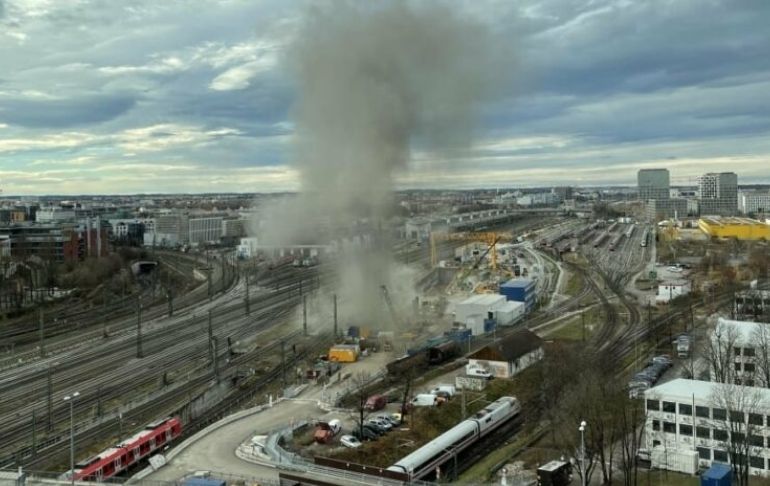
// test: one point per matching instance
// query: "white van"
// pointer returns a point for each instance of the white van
(424, 400)
(478, 371)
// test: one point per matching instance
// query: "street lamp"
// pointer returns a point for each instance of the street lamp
(582, 430)
(71, 400)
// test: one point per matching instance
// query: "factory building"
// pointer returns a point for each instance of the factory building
(477, 312)
(653, 184)
(740, 228)
(707, 420)
(520, 290)
(718, 194)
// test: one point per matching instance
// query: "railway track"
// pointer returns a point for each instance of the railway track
(170, 349)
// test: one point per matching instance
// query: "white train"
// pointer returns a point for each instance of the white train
(424, 460)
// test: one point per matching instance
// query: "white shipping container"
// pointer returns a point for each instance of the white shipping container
(679, 460)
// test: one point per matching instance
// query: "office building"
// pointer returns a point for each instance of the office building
(751, 202)
(660, 209)
(718, 194)
(653, 184)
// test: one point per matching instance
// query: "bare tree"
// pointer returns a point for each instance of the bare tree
(360, 381)
(720, 353)
(632, 422)
(736, 412)
(761, 340)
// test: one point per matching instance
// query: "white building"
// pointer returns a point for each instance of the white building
(707, 417)
(54, 214)
(248, 247)
(204, 229)
(753, 202)
(736, 346)
(672, 289)
(475, 309)
(507, 357)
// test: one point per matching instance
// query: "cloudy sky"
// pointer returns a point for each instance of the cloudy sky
(107, 96)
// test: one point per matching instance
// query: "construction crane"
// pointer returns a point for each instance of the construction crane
(490, 238)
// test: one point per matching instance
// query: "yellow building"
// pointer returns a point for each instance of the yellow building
(740, 228)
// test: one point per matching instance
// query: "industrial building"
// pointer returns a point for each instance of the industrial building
(477, 312)
(753, 305)
(687, 418)
(510, 355)
(718, 194)
(520, 290)
(740, 228)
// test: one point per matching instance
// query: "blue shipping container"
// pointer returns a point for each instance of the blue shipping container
(717, 475)
(204, 482)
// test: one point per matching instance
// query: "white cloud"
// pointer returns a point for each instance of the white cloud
(163, 66)
(239, 77)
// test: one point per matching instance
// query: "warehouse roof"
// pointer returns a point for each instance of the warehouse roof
(510, 348)
(483, 299)
(518, 283)
(724, 221)
(685, 390)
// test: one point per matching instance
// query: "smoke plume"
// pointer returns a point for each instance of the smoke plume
(376, 81)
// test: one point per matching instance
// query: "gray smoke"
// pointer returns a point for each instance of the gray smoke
(377, 80)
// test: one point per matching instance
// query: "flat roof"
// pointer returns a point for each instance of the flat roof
(518, 283)
(731, 220)
(483, 299)
(685, 391)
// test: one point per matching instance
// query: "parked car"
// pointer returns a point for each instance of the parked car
(381, 423)
(390, 419)
(376, 402)
(350, 441)
(367, 434)
(375, 428)
(449, 390)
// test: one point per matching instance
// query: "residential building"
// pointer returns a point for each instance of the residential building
(710, 418)
(653, 184)
(718, 194)
(508, 356)
(48, 242)
(754, 202)
(660, 209)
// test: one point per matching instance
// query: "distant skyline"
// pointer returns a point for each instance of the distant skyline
(157, 97)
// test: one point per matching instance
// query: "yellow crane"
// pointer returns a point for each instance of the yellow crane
(491, 238)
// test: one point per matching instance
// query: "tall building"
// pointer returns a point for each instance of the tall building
(718, 193)
(653, 184)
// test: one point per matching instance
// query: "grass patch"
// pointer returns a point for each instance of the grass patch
(572, 330)
(574, 284)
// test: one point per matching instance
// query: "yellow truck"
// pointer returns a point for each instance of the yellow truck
(344, 353)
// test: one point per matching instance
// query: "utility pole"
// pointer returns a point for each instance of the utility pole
(34, 433)
(49, 386)
(304, 315)
(583, 320)
(335, 317)
(211, 340)
(283, 363)
(208, 280)
(170, 297)
(139, 353)
(246, 297)
(42, 333)
(215, 363)
(99, 401)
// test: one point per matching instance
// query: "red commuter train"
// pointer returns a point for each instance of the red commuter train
(116, 459)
